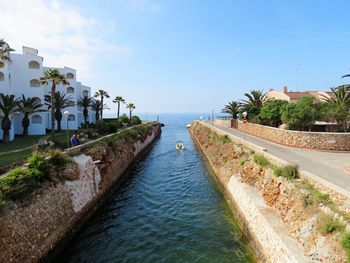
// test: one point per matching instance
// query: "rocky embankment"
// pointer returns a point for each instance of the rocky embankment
(31, 229)
(288, 219)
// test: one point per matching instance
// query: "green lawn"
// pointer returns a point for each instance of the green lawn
(19, 142)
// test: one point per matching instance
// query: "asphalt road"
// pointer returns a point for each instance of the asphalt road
(327, 165)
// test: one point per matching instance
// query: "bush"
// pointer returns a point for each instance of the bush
(289, 171)
(261, 160)
(330, 225)
(39, 163)
(135, 120)
(19, 183)
(124, 119)
(242, 162)
(225, 139)
(277, 171)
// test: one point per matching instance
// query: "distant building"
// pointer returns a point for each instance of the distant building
(22, 76)
(294, 96)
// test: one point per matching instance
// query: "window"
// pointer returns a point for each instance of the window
(70, 76)
(71, 117)
(71, 103)
(35, 83)
(70, 90)
(2, 76)
(85, 93)
(34, 64)
(37, 119)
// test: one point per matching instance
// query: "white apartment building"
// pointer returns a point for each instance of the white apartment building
(22, 76)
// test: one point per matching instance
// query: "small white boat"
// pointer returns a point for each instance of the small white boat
(179, 146)
(188, 126)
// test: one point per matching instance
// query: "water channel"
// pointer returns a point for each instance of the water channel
(167, 209)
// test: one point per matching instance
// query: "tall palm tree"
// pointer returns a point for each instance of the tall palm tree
(102, 94)
(346, 76)
(97, 106)
(56, 78)
(131, 107)
(61, 102)
(4, 53)
(255, 101)
(232, 108)
(118, 100)
(85, 103)
(340, 95)
(8, 105)
(28, 106)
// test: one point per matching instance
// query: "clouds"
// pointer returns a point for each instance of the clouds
(63, 34)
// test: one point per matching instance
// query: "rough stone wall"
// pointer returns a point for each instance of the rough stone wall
(30, 230)
(311, 140)
(270, 208)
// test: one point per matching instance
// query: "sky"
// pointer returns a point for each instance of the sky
(173, 56)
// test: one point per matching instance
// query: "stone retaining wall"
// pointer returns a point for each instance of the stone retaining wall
(330, 141)
(33, 229)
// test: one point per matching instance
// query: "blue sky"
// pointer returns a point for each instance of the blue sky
(194, 55)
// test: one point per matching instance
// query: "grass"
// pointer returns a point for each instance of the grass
(261, 160)
(19, 142)
(346, 243)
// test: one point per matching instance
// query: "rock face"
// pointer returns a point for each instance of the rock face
(31, 229)
(286, 198)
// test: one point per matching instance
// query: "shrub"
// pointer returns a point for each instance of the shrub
(102, 127)
(39, 163)
(242, 162)
(277, 171)
(124, 118)
(135, 120)
(346, 240)
(261, 160)
(291, 172)
(19, 183)
(225, 139)
(330, 225)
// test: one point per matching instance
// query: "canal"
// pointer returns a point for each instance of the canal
(167, 209)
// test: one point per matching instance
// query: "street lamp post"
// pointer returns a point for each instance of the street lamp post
(66, 113)
(245, 120)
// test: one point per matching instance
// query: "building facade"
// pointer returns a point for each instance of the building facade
(22, 77)
(294, 96)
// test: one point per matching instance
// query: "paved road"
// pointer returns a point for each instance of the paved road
(328, 165)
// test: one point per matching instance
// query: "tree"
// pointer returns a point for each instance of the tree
(340, 95)
(338, 113)
(28, 106)
(232, 108)
(56, 78)
(118, 100)
(85, 103)
(302, 114)
(61, 102)
(256, 99)
(102, 94)
(271, 112)
(131, 107)
(97, 106)
(4, 53)
(8, 105)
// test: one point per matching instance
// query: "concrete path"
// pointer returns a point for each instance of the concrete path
(330, 166)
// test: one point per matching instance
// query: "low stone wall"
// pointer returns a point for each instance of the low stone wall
(311, 140)
(32, 229)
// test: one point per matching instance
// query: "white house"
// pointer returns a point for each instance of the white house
(22, 76)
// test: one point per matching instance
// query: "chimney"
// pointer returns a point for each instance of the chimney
(285, 89)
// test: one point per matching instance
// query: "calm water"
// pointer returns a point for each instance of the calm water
(168, 209)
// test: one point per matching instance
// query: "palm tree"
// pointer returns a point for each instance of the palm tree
(85, 103)
(28, 106)
(256, 99)
(118, 100)
(340, 95)
(345, 76)
(97, 106)
(4, 53)
(232, 108)
(61, 102)
(8, 105)
(102, 94)
(131, 107)
(56, 78)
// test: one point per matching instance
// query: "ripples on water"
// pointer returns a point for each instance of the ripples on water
(167, 209)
